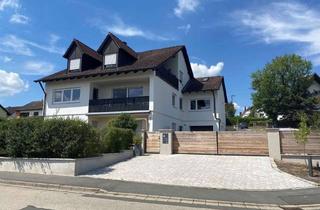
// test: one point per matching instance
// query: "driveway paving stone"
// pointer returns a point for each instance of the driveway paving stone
(211, 171)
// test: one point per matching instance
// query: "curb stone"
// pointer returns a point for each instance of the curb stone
(164, 199)
(275, 166)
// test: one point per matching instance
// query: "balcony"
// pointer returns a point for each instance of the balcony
(119, 104)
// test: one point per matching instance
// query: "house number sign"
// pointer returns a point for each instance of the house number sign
(165, 138)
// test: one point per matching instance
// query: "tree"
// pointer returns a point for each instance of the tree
(303, 132)
(281, 88)
(230, 110)
(124, 121)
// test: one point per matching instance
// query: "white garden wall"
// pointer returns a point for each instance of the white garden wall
(62, 166)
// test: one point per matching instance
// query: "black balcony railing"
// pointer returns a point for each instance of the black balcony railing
(119, 104)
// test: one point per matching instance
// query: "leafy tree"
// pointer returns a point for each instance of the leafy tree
(230, 110)
(124, 121)
(303, 132)
(281, 88)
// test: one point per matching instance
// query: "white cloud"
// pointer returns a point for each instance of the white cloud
(18, 18)
(19, 46)
(13, 4)
(285, 22)
(186, 6)
(11, 83)
(117, 26)
(237, 106)
(5, 59)
(185, 28)
(38, 68)
(201, 70)
(13, 44)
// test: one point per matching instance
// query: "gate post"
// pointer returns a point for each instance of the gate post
(274, 144)
(166, 141)
(143, 142)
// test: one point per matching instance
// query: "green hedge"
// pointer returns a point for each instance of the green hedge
(116, 139)
(54, 138)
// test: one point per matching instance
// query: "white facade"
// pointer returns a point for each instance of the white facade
(161, 113)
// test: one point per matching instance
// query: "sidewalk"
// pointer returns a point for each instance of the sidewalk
(278, 197)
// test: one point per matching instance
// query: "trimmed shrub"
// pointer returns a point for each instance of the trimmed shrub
(53, 138)
(67, 138)
(116, 139)
(124, 121)
(137, 139)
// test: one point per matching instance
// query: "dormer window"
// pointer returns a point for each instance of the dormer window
(110, 59)
(74, 64)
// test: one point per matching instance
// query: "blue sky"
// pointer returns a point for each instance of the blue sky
(223, 37)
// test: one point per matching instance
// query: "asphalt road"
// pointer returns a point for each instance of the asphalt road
(30, 198)
(280, 197)
(13, 197)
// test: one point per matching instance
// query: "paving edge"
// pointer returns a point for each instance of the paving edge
(156, 198)
(275, 166)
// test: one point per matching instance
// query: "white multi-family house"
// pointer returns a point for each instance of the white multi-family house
(157, 87)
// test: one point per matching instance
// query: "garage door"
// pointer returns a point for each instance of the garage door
(201, 128)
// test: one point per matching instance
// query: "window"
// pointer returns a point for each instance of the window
(180, 103)
(95, 94)
(135, 92)
(57, 96)
(76, 94)
(127, 92)
(66, 95)
(173, 99)
(203, 104)
(193, 104)
(35, 113)
(74, 64)
(120, 93)
(173, 126)
(181, 76)
(24, 114)
(180, 128)
(200, 104)
(110, 59)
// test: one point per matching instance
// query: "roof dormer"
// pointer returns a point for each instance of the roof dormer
(81, 57)
(116, 53)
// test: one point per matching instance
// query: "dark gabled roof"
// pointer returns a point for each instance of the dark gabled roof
(84, 49)
(120, 44)
(1, 107)
(205, 84)
(151, 59)
(33, 105)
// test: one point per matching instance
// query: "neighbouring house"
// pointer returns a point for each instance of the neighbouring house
(32, 109)
(157, 87)
(3, 112)
(249, 111)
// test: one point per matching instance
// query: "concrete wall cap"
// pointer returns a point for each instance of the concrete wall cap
(272, 129)
(165, 130)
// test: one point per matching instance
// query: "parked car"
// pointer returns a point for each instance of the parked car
(243, 125)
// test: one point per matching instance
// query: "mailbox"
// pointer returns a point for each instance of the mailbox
(165, 138)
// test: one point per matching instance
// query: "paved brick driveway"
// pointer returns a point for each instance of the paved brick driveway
(229, 172)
